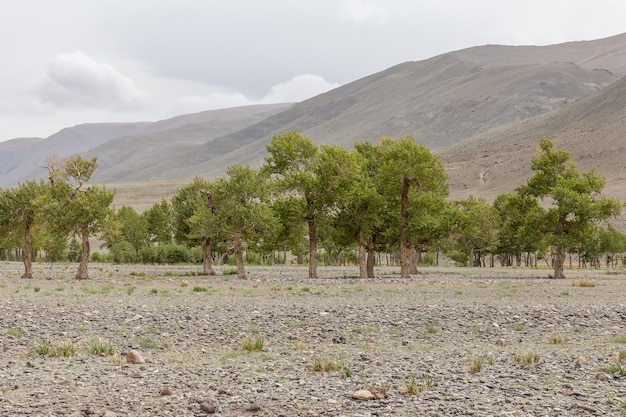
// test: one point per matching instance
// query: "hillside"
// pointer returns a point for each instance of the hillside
(592, 130)
(439, 101)
(482, 109)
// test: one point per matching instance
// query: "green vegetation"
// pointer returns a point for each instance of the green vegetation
(253, 344)
(320, 204)
(528, 358)
(100, 347)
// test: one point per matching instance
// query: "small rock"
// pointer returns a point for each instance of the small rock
(254, 407)
(208, 407)
(165, 391)
(109, 414)
(501, 342)
(134, 357)
(363, 395)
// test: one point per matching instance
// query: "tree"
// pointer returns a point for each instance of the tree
(73, 209)
(242, 211)
(517, 218)
(476, 231)
(127, 235)
(405, 167)
(160, 227)
(194, 218)
(18, 212)
(574, 201)
(291, 160)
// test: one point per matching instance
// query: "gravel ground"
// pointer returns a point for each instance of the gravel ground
(448, 342)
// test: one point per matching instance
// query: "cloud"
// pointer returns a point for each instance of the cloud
(364, 11)
(299, 88)
(77, 81)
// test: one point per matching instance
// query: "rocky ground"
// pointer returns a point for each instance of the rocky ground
(448, 342)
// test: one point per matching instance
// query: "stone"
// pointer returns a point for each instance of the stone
(363, 395)
(208, 407)
(134, 356)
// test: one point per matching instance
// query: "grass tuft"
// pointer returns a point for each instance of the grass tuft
(100, 347)
(413, 386)
(253, 344)
(528, 358)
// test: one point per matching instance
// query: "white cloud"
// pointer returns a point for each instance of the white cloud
(299, 88)
(77, 81)
(365, 11)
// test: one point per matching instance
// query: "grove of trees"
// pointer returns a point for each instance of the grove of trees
(377, 203)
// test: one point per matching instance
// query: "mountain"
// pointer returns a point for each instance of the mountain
(592, 130)
(439, 101)
(482, 109)
(23, 159)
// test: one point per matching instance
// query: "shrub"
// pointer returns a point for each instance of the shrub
(100, 347)
(476, 365)
(528, 358)
(255, 344)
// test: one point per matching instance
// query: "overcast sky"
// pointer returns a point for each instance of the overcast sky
(67, 62)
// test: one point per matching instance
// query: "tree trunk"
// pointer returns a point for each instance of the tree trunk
(241, 270)
(559, 261)
(405, 247)
(416, 255)
(28, 251)
(82, 272)
(371, 259)
(312, 248)
(362, 258)
(207, 257)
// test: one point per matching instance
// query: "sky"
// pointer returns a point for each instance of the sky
(68, 62)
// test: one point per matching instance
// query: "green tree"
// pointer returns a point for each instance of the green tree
(18, 213)
(477, 229)
(160, 223)
(407, 167)
(574, 201)
(517, 218)
(292, 159)
(242, 211)
(127, 235)
(76, 210)
(194, 219)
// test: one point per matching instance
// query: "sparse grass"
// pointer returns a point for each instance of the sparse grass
(413, 386)
(36, 289)
(103, 290)
(100, 347)
(585, 283)
(15, 333)
(615, 368)
(305, 289)
(199, 289)
(475, 365)
(620, 356)
(154, 291)
(229, 271)
(431, 329)
(556, 340)
(42, 349)
(253, 344)
(326, 365)
(137, 274)
(184, 283)
(519, 327)
(148, 343)
(527, 358)
(275, 288)
(117, 359)
(619, 339)
(65, 350)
